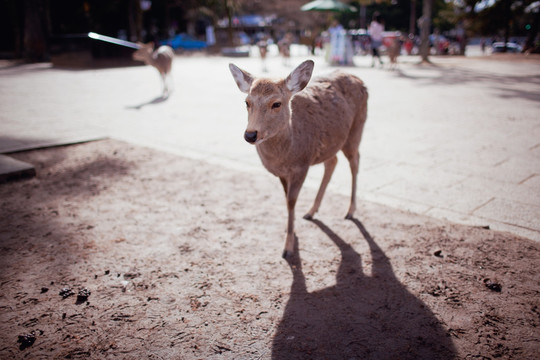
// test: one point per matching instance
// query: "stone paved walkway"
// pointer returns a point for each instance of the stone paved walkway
(459, 140)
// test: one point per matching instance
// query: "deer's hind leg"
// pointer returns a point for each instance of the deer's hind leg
(329, 166)
(170, 82)
(353, 155)
(164, 85)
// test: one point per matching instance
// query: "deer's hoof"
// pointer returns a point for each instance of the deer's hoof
(286, 254)
(349, 217)
(308, 216)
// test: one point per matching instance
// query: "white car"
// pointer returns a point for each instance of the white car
(498, 47)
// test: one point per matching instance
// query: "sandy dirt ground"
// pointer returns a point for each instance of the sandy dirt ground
(116, 251)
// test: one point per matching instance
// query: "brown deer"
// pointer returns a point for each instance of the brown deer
(284, 46)
(393, 52)
(263, 51)
(294, 129)
(161, 59)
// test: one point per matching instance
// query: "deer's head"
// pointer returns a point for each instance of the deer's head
(268, 100)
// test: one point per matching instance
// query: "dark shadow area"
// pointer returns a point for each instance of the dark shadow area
(12, 145)
(30, 209)
(19, 67)
(507, 86)
(12, 169)
(157, 100)
(361, 317)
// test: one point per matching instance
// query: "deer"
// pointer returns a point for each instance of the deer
(284, 46)
(294, 125)
(393, 52)
(161, 59)
(263, 51)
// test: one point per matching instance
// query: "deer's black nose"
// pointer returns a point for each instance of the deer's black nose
(250, 136)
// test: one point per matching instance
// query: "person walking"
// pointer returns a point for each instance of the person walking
(375, 31)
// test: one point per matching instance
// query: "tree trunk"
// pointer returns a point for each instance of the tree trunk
(229, 17)
(35, 37)
(363, 21)
(425, 26)
(508, 15)
(135, 21)
(412, 18)
(535, 27)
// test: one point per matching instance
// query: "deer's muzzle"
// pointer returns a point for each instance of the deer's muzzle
(250, 136)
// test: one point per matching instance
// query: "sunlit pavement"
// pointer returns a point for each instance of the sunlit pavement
(459, 140)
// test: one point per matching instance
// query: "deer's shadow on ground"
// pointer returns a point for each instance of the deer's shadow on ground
(158, 100)
(361, 317)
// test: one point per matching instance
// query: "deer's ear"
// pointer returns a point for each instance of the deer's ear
(299, 77)
(243, 78)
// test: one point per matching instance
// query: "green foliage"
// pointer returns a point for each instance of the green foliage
(497, 18)
(396, 14)
(444, 15)
(476, 16)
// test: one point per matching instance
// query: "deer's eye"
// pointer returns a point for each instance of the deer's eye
(276, 105)
(247, 104)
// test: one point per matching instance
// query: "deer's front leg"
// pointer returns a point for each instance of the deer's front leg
(329, 166)
(294, 184)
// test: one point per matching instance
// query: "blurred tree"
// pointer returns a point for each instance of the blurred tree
(36, 30)
(533, 27)
(424, 23)
(11, 28)
(229, 12)
(504, 18)
(415, 8)
(135, 15)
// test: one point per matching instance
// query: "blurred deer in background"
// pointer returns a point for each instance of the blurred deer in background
(284, 46)
(263, 51)
(161, 59)
(294, 129)
(394, 50)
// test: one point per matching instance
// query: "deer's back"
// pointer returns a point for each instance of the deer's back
(325, 112)
(163, 58)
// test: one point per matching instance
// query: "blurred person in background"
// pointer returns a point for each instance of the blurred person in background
(375, 31)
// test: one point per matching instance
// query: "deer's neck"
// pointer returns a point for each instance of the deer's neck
(277, 152)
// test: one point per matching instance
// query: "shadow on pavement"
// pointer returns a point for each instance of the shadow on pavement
(505, 85)
(155, 101)
(361, 317)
